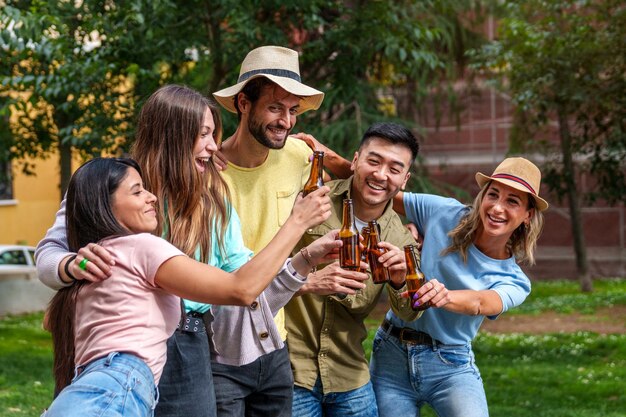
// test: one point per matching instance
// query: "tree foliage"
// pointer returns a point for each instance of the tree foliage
(555, 55)
(72, 72)
(563, 64)
(77, 72)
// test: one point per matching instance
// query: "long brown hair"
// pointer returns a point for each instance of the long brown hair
(88, 219)
(190, 204)
(521, 244)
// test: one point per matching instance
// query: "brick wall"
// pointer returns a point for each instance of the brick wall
(454, 153)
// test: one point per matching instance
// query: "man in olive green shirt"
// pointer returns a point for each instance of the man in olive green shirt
(325, 333)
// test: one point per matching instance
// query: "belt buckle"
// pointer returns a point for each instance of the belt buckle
(402, 339)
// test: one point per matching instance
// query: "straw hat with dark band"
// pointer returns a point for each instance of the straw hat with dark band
(279, 65)
(520, 174)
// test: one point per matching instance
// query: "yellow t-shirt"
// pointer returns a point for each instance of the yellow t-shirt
(263, 196)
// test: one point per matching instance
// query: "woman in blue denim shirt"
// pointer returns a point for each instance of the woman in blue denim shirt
(470, 256)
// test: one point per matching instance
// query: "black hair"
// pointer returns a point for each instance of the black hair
(252, 90)
(394, 133)
(89, 217)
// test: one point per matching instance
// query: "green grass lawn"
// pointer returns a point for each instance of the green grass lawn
(562, 374)
(26, 384)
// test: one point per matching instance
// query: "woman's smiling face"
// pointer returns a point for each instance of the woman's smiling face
(133, 205)
(205, 145)
(503, 209)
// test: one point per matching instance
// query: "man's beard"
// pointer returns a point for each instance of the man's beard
(258, 132)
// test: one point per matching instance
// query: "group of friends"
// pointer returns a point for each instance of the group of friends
(196, 280)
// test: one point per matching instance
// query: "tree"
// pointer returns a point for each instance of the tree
(356, 52)
(563, 62)
(86, 66)
(73, 72)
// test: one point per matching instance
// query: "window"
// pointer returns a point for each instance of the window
(6, 182)
(13, 257)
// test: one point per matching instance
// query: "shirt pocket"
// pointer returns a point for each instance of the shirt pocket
(284, 204)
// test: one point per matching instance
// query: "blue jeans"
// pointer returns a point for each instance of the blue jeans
(259, 389)
(407, 376)
(359, 402)
(119, 384)
(186, 386)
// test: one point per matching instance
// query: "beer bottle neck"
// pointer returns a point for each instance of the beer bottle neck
(318, 163)
(348, 216)
(373, 238)
(411, 260)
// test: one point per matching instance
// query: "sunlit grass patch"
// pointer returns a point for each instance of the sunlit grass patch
(26, 384)
(562, 374)
(566, 297)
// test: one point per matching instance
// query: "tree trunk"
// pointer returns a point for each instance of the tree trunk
(569, 172)
(65, 163)
(214, 34)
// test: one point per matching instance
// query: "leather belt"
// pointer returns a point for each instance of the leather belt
(407, 335)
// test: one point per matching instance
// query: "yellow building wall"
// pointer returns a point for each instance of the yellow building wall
(37, 199)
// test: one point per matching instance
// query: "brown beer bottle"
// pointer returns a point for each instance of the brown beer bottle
(414, 277)
(350, 252)
(380, 274)
(316, 178)
(365, 232)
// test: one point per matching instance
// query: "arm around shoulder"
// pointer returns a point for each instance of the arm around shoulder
(51, 251)
(333, 162)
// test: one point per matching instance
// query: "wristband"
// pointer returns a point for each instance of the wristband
(66, 268)
(293, 272)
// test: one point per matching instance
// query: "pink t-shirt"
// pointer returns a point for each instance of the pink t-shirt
(128, 312)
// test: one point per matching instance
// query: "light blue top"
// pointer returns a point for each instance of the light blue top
(235, 255)
(434, 217)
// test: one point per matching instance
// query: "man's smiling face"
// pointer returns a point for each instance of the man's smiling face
(381, 170)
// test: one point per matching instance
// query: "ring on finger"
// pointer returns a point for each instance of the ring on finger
(83, 264)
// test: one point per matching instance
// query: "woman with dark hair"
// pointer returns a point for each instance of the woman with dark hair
(116, 330)
(470, 257)
(178, 132)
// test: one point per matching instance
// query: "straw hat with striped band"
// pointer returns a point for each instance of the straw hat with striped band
(520, 174)
(279, 65)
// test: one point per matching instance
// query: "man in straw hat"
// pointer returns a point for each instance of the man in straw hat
(265, 170)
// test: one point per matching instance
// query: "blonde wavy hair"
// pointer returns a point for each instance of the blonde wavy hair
(521, 244)
(190, 204)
